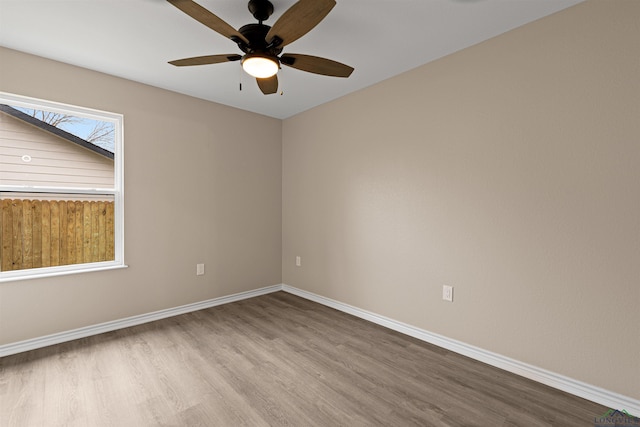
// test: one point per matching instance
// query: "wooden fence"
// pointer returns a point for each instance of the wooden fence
(47, 233)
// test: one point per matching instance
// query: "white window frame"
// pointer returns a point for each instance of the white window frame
(117, 192)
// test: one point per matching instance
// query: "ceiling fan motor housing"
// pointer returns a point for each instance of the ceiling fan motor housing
(256, 34)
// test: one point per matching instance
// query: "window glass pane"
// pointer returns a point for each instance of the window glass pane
(49, 230)
(55, 149)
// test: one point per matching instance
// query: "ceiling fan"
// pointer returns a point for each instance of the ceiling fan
(262, 45)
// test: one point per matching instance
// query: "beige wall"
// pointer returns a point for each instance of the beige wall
(509, 170)
(202, 185)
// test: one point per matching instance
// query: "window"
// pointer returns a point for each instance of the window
(61, 189)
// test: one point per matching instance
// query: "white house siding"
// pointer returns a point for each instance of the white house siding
(54, 160)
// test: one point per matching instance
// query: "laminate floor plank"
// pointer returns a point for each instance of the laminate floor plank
(273, 360)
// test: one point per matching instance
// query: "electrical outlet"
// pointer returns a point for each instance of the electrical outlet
(298, 261)
(199, 269)
(447, 293)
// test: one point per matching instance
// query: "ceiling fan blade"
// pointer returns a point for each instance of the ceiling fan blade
(299, 19)
(268, 85)
(316, 65)
(204, 60)
(207, 18)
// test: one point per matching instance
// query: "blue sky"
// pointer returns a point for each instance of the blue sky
(82, 127)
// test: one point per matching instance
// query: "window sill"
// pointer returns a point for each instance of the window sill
(11, 276)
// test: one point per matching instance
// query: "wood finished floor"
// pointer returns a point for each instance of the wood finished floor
(274, 360)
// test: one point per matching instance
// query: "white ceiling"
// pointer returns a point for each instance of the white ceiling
(134, 39)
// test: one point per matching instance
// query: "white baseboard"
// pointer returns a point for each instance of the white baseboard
(560, 382)
(32, 344)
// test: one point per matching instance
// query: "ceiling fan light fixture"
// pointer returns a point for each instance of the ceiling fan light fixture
(260, 66)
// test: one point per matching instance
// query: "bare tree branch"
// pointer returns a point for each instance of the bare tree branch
(54, 119)
(101, 133)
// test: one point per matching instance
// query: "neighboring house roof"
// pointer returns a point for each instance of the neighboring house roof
(55, 131)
